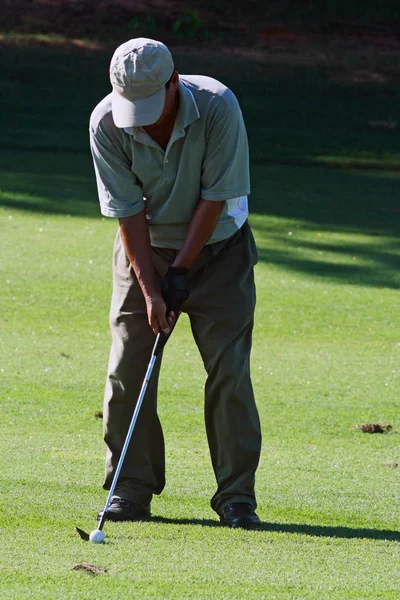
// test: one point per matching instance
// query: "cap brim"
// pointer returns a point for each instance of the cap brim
(138, 113)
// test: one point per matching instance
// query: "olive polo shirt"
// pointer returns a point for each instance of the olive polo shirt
(206, 157)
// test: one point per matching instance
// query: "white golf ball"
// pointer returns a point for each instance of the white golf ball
(97, 536)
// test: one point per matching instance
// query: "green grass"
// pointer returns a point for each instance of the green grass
(322, 105)
(325, 359)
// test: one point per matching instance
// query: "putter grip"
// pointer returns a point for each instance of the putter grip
(160, 342)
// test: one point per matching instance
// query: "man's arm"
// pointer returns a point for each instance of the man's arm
(201, 227)
(136, 240)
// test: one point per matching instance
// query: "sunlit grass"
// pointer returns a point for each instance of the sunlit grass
(325, 359)
(48, 39)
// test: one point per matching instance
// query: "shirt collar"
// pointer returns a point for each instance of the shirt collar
(188, 109)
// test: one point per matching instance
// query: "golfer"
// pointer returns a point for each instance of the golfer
(171, 161)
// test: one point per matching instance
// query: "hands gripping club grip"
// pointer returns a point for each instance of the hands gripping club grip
(175, 288)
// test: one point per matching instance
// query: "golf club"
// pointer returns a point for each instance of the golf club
(97, 536)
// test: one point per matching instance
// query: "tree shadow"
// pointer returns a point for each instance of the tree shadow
(381, 268)
(45, 165)
(330, 199)
(297, 528)
(344, 226)
(49, 183)
(338, 224)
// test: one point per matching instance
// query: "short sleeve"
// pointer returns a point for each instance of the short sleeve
(225, 168)
(120, 193)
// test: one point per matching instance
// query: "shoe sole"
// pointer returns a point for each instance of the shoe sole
(240, 524)
(117, 518)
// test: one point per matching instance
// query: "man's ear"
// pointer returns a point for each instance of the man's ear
(175, 79)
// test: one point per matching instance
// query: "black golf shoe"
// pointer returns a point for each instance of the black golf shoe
(239, 514)
(125, 510)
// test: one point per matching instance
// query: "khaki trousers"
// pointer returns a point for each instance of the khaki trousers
(221, 310)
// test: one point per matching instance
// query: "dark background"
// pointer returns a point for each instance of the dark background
(256, 23)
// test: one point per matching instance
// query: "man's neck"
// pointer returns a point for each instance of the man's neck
(161, 132)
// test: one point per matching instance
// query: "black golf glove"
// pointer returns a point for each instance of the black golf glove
(175, 288)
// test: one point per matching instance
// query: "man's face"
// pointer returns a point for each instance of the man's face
(171, 93)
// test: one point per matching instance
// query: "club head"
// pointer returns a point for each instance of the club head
(83, 534)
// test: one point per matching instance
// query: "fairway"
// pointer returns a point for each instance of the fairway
(326, 355)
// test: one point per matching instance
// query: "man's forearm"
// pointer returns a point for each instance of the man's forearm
(201, 227)
(136, 239)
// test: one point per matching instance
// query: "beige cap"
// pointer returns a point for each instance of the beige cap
(139, 70)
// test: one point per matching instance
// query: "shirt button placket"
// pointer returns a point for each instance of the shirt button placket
(166, 166)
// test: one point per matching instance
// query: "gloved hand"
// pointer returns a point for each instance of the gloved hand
(175, 288)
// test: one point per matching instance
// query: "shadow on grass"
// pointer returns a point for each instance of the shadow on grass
(337, 224)
(309, 115)
(313, 530)
(328, 213)
(49, 183)
(381, 266)
(293, 110)
(334, 199)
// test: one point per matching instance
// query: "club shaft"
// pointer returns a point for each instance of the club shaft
(131, 427)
